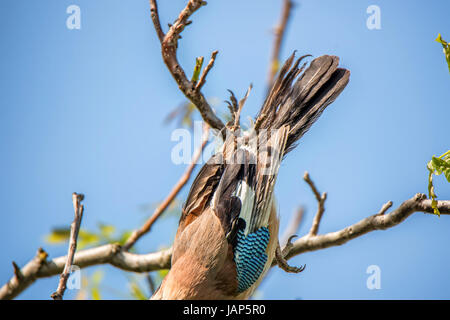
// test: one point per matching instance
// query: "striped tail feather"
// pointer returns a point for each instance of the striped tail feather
(299, 103)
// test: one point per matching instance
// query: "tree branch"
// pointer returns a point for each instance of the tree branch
(176, 189)
(155, 18)
(111, 254)
(169, 46)
(202, 80)
(279, 35)
(293, 226)
(74, 228)
(321, 205)
(379, 221)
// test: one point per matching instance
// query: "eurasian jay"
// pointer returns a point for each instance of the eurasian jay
(227, 236)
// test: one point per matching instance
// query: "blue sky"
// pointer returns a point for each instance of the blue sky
(83, 110)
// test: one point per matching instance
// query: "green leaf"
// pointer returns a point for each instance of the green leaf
(446, 47)
(436, 166)
(162, 273)
(447, 174)
(95, 293)
(58, 236)
(122, 239)
(86, 238)
(97, 277)
(275, 66)
(439, 39)
(106, 230)
(95, 281)
(137, 292)
(187, 115)
(197, 69)
(441, 163)
(106, 234)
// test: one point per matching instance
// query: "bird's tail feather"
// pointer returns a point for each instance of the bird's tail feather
(298, 104)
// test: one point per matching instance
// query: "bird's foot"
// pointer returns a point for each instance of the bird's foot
(287, 248)
(281, 257)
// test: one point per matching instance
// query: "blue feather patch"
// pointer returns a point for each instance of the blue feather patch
(250, 256)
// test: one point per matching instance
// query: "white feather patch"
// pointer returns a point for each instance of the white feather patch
(247, 196)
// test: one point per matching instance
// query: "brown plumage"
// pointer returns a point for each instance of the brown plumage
(228, 230)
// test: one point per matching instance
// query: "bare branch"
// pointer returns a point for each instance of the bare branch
(385, 207)
(155, 18)
(202, 80)
(321, 205)
(237, 115)
(111, 254)
(169, 46)
(279, 34)
(17, 271)
(293, 226)
(74, 229)
(176, 189)
(379, 221)
(27, 275)
(312, 186)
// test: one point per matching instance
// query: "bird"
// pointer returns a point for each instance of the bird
(227, 237)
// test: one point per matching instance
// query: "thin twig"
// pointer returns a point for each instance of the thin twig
(280, 31)
(293, 225)
(155, 18)
(74, 229)
(385, 207)
(17, 271)
(321, 205)
(418, 203)
(176, 189)
(237, 116)
(202, 80)
(378, 221)
(151, 283)
(169, 46)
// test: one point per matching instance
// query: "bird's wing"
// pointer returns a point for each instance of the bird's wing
(201, 192)
(243, 203)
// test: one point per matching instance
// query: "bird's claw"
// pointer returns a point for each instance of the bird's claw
(287, 248)
(281, 258)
